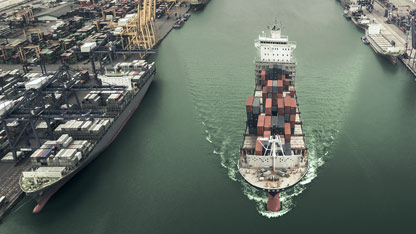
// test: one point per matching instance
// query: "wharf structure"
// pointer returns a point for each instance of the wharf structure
(388, 27)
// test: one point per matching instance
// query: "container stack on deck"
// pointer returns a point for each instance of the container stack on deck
(273, 110)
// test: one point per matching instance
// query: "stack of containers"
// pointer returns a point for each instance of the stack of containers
(84, 129)
(263, 78)
(260, 125)
(270, 95)
(67, 157)
(92, 100)
(40, 156)
(278, 125)
(253, 111)
(64, 141)
(80, 146)
(279, 102)
(287, 133)
(293, 114)
(115, 102)
(267, 124)
(259, 148)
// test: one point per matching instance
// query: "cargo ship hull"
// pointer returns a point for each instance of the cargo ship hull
(199, 5)
(44, 194)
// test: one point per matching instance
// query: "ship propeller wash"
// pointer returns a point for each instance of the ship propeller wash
(273, 156)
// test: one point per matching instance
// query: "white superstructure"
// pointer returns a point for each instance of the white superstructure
(274, 47)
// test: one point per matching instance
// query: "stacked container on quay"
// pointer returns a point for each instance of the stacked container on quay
(273, 156)
(75, 140)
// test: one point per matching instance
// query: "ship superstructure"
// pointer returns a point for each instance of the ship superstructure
(273, 156)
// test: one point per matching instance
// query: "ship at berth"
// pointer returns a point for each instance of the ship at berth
(89, 119)
(273, 155)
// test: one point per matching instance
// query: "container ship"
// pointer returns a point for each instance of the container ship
(273, 155)
(382, 43)
(73, 118)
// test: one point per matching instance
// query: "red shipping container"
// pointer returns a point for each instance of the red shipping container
(287, 133)
(280, 106)
(292, 118)
(280, 95)
(259, 148)
(279, 83)
(293, 106)
(267, 123)
(288, 104)
(267, 134)
(280, 102)
(249, 104)
(263, 75)
(260, 125)
(268, 106)
(269, 86)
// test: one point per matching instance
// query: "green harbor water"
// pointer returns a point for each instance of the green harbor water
(173, 167)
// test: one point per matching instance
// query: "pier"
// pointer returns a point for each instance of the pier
(390, 32)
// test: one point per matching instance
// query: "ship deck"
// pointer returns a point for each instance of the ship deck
(381, 41)
(295, 175)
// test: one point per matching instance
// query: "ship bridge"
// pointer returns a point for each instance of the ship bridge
(273, 47)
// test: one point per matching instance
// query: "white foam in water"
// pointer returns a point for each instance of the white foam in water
(208, 137)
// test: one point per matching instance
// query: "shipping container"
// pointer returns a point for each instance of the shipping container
(267, 123)
(249, 104)
(260, 125)
(259, 148)
(268, 106)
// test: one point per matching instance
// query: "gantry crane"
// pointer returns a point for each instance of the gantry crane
(27, 15)
(139, 32)
(27, 30)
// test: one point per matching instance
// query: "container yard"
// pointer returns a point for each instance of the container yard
(52, 33)
(388, 26)
(72, 73)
